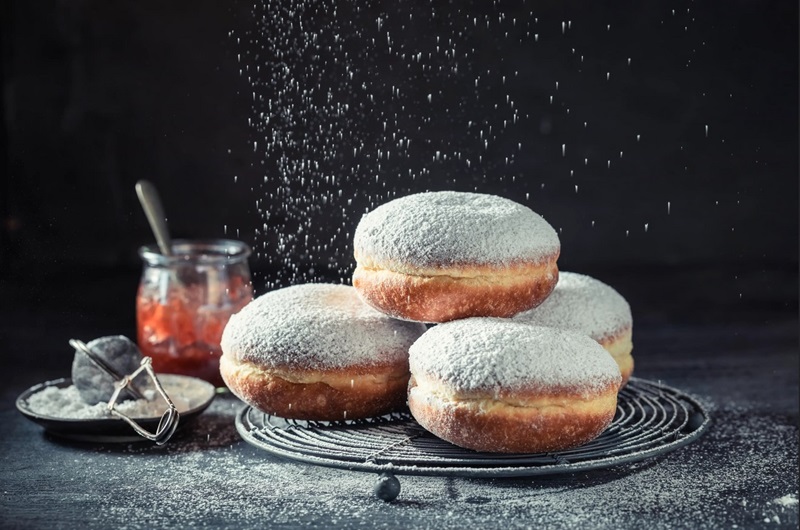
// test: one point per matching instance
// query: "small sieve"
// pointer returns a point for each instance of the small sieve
(170, 417)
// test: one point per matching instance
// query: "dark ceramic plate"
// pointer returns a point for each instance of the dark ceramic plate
(114, 429)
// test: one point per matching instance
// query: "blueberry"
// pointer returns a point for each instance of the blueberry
(387, 487)
(93, 383)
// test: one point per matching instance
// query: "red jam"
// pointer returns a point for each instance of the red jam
(182, 308)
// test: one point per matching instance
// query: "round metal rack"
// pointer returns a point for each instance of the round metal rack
(651, 419)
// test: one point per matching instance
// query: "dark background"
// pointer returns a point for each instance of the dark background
(282, 125)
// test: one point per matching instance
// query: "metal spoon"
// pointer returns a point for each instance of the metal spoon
(154, 211)
(151, 204)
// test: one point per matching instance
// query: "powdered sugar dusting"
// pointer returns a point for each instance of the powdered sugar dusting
(486, 353)
(450, 228)
(317, 326)
(66, 403)
(584, 304)
(213, 479)
(787, 500)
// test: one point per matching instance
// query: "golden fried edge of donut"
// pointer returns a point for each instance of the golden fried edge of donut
(444, 294)
(550, 423)
(620, 346)
(324, 395)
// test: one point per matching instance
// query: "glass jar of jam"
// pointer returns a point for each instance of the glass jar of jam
(185, 300)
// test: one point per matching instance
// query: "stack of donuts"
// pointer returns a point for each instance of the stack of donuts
(522, 359)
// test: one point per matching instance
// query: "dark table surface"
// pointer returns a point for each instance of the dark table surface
(739, 358)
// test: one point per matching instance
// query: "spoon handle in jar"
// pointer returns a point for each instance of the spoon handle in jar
(151, 204)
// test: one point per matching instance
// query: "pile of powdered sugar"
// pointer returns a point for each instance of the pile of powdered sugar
(66, 403)
(493, 353)
(454, 228)
(582, 303)
(787, 500)
(316, 325)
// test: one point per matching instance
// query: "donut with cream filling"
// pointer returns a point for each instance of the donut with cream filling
(441, 256)
(497, 385)
(317, 352)
(586, 305)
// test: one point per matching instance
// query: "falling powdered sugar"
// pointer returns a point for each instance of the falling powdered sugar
(491, 353)
(584, 304)
(316, 326)
(454, 228)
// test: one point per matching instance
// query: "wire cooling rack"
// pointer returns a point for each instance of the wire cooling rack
(651, 419)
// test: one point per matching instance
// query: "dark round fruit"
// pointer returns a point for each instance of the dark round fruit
(93, 383)
(387, 487)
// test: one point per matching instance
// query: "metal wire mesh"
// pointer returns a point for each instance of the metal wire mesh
(651, 419)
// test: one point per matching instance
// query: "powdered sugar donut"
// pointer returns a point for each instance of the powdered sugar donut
(440, 256)
(316, 352)
(497, 385)
(584, 304)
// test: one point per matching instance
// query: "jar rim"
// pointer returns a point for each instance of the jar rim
(211, 251)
